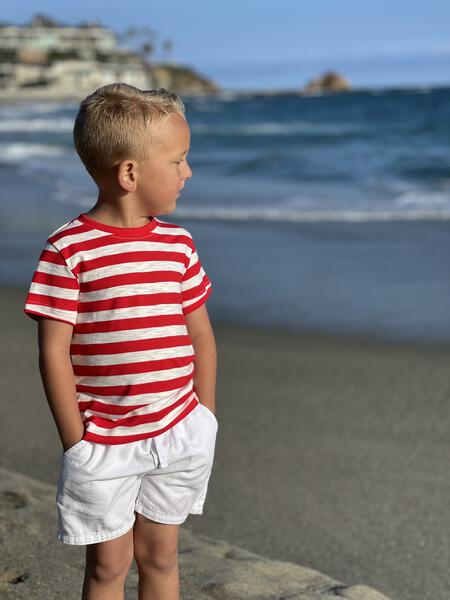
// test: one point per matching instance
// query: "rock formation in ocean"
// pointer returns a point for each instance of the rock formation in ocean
(328, 82)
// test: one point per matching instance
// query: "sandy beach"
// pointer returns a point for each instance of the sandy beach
(332, 452)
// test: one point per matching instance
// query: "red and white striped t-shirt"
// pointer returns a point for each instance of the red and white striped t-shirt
(126, 292)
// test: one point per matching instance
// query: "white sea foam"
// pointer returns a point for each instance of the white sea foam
(276, 128)
(419, 197)
(18, 151)
(26, 125)
(38, 107)
(311, 216)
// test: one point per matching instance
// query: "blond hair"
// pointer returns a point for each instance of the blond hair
(120, 121)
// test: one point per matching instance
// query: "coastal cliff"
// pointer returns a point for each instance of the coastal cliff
(181, 79)
(45, 60)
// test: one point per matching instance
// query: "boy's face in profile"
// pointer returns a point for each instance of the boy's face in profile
(163, 174)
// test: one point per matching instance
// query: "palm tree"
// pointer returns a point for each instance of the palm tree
(167, 47)
(142, 39)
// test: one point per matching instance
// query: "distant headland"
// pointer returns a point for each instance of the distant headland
(46, 60)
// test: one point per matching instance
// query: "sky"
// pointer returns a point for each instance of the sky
(252, 44)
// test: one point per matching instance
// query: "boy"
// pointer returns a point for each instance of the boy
(126, 350)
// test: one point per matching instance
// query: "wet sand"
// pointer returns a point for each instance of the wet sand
(332, 452)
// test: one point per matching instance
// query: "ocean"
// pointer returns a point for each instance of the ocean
(325, 214)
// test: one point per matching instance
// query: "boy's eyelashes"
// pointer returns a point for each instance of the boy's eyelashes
(177, 162)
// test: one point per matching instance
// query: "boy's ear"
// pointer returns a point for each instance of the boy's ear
(126, 175)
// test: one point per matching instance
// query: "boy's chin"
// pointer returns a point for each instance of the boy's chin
(169, 208)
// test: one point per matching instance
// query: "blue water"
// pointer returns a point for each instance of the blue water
(324, 214)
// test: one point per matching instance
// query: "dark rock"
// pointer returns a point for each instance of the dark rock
(181, 79)
(329, 82)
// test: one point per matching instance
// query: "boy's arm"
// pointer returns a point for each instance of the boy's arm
(203, 342)
(56, 370)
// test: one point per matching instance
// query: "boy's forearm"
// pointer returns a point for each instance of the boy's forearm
(59, 385)
(205, 369)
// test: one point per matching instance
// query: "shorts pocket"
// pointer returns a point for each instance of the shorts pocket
(74, 448)
(209, 412)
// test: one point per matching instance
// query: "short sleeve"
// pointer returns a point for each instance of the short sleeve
(54, 289)
(196, 286)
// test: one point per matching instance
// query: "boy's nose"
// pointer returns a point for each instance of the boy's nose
(188, 172)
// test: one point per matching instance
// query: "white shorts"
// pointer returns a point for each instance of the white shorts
(164, 478)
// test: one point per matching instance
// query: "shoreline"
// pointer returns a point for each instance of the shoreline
(325, 337)
(372, 282)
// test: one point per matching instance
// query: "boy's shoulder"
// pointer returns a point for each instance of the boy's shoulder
(57, 237)
(173, 229)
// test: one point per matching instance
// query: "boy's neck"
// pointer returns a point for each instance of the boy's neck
(116, 216)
